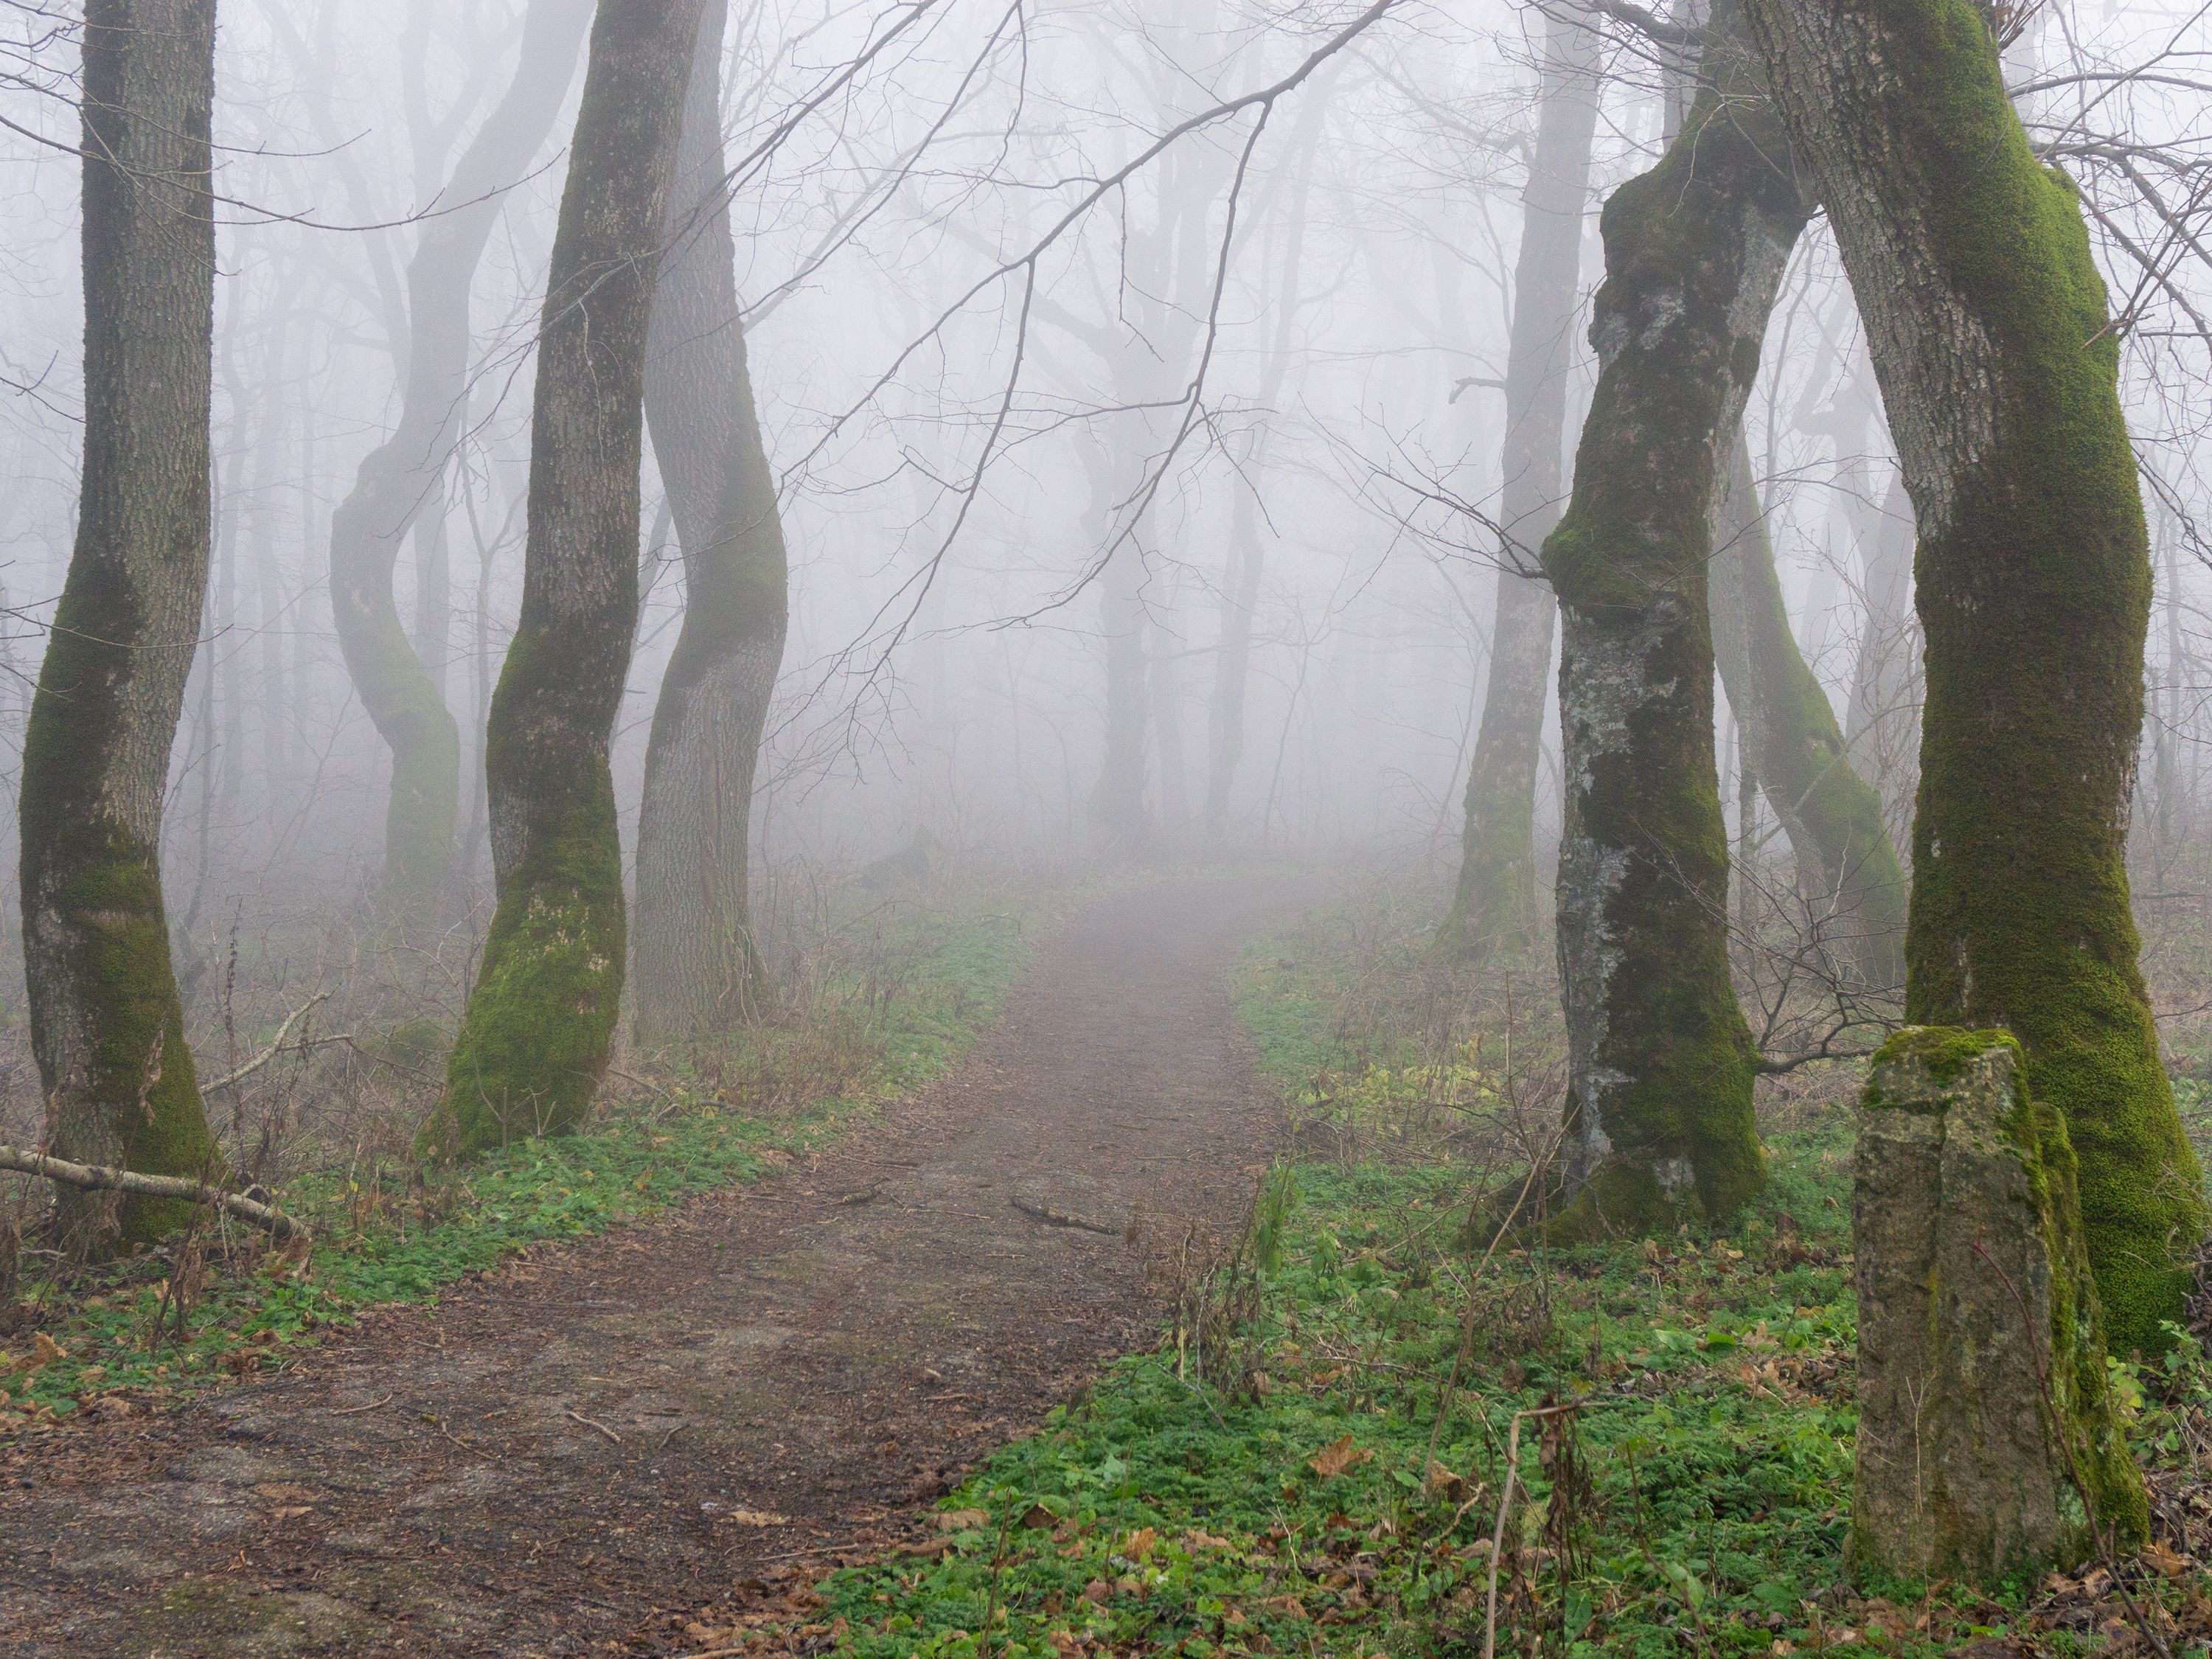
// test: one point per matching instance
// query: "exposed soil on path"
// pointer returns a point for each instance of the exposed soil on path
(571, 1455)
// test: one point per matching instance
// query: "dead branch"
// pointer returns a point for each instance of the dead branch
(96, 1176)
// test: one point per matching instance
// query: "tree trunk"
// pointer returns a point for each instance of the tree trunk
(533, 1044)
(1987, 324)
(105, 1018)
(697, 970)
(1791, 743)
(401, 482)
(1883, 731)
(1660, 1061)
(1493, 911)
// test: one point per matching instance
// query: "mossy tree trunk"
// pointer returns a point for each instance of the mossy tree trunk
(1660, 1061)
(1848, 871)
(106, 1022)
(534, 1041)
(401, 483)
(1493, 909)
(697, 970)
(1988, 327)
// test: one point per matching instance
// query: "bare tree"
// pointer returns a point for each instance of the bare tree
(533, 1044)
(697, 968)
(1988, 326)
(1660, 1061)
(104, 1016)
(401, 482)
(1494, 907)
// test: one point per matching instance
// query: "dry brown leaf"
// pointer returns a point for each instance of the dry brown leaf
(1334, 1460)
(754, 1518)
(1196, 1540)
(963, 1520)
(2165, 1559)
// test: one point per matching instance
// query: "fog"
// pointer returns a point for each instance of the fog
(1090, 342)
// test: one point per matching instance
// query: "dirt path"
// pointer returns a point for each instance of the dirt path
(558, 1460)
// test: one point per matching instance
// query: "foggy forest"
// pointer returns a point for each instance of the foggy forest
(1058, 829)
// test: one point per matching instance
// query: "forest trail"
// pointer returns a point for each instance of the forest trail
(575, 1454)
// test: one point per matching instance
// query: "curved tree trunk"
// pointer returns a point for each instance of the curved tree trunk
(533, 1044)
(1987, 324)
(105, 1018)
(1793, 746)
(401, 484)
(698, 972)
(1660, 1061)
(1494, 908)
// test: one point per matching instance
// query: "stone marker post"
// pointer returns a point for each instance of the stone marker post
(1985, 1419)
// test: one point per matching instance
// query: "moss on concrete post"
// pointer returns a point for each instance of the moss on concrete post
(1988, 1444)
(534, 1042)
(106, 1022)
(1660, 1061)
(1987, 325)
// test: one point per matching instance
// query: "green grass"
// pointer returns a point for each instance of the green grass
(381, 1239)
(1273, 1501)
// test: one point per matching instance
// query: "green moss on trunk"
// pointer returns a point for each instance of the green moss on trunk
(535, 1040)
(1660, 1061)
(1988, 326)
(105, 1020)
(533, 1046)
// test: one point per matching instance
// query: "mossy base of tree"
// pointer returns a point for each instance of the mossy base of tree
(534, 1044)
(134, 1100)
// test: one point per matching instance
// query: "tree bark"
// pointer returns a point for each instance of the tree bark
(401, 484)
(1883, 729)
(697, 970)
(534, 1042)
(1660, 1061)
(1987, 324)
(106, 1022)
(1493, 910)
(1848, 871)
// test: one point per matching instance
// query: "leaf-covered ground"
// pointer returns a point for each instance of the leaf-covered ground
(1326, 1477)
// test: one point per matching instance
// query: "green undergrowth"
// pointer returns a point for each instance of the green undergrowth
(1262, 1483)
(397, 1233)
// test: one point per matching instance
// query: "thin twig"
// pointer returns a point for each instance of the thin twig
(589, 1424)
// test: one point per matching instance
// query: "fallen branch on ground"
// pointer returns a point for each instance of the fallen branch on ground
(1053, 1217)
(268, 1217)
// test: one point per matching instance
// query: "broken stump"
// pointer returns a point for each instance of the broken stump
(1988, 1439)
